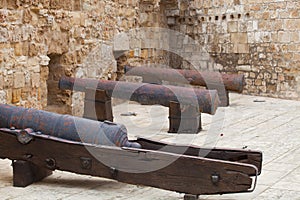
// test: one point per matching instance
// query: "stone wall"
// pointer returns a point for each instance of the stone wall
(259, 38)
(144, 40)
(40, 41)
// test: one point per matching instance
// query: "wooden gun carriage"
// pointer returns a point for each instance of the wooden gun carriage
(39, 142)
(185, 104)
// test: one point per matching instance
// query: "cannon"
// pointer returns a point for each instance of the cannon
(40, 142)
(196, 101)
(64, 126)
(212, 80)
(206, 100)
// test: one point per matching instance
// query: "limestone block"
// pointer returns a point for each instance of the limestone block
(1, 82)
(244, 68)
(242, 48)
(56, 4)
(14, 17)
(249, 82)
(44, 76)
(44, 60)
(69, 58)
(3, 35)
(242, 27)
(25, 92)
(143, 18)
(82, 19)
(267, 75)
(57, 42)
(33, 49)
(232, 27)
(16, 95)
(18, 48)
(44, 3)
(258, 82)
(262, 88)
(77, 5)
(79, 33)
(15, 34)
(283, 36)
(27, 16)
(129, 13)
(19, 80)
(76, 17)
(35, 80)
(25, 48)
(239, 38)
(276, 5)
(21, 60)
(27, 78)
(35, 68)
(2, 4)
(294, 13)
(8, 81)
(144, 54)
(9, 95)
(252, 75)
(172, 13)
(2, 97)
(292, 24)
(11, 4)
(65, 25)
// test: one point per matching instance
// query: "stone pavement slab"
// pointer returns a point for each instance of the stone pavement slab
(259, 123)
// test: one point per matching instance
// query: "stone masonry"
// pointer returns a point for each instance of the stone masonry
(40, 41)
(258, 38)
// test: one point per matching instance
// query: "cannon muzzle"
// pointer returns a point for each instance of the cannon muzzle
(212, 80)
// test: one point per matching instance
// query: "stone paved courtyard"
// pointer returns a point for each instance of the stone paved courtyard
(266, 124)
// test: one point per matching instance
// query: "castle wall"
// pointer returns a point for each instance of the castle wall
(259, 38)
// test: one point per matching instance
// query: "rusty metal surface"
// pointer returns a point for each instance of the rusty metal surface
(213, 80)
(149, 94)
(63, 126)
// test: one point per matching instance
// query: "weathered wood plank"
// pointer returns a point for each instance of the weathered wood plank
(184, 174)
(236, 155)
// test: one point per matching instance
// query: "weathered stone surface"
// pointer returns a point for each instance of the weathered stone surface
(27, 16)
(44, 40)
(35, 80)
(1, 82)
(246, 37)
(16, 95)
(44, 60)
(19, 80)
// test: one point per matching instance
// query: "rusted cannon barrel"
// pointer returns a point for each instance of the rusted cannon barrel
(232, 82)
(65, 126)
(148, 94)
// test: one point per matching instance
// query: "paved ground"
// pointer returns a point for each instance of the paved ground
(258, 123)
